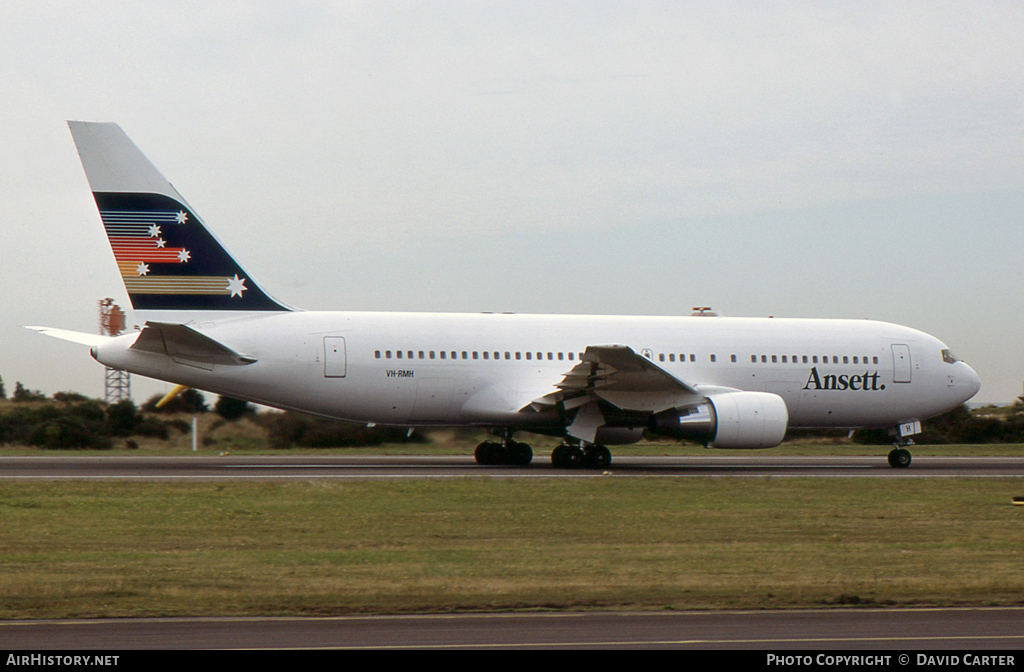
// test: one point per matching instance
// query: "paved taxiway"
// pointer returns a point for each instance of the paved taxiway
(319, 467)
(808, 630)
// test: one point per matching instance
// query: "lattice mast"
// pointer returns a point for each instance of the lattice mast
(118, 384)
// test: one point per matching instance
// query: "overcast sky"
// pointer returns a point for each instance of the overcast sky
(802, 159)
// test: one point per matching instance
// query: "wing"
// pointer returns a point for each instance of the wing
(614, 386)
(617, 375)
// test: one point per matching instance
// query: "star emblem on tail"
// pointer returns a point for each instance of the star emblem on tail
(236, 285)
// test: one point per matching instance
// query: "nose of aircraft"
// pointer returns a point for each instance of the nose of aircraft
(968, 380)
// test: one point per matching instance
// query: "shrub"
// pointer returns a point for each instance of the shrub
(232, 409)
(189, 401)
(22, 394)
(297, 429)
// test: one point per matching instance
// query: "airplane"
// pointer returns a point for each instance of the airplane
(594, 381)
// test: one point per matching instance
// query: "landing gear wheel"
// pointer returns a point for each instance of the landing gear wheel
(489, 453)
(520, 454)
(899, 458)
(567, 456)
(492, 453)
(596, 457)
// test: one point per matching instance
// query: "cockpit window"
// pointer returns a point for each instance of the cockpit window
(949, 357)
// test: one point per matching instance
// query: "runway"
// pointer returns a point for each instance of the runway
(982, 629)
(300, 467)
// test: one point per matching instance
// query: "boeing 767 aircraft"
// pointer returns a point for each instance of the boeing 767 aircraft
(592, 380)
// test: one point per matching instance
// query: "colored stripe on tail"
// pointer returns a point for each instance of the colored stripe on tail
(167, 258)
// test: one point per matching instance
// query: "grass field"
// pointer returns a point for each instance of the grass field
(86, 549)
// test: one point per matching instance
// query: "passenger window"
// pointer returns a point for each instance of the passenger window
(519, 355)
(753, 359)
(432, 354)
(529, 355)
(560, 356)
(421, 354)
(476, 355)
(693, 358)
(846, 360)
(465, 355)
(571, 355)
(376, 353)
(814, 359)
(398, 353)
(775, 359)
(854, 360)
(442, 354)
(764, 359)
(733, 358)
(714, 358)
(784, 360)
(485, 355)
(874, 360)
(805, 359)
(550, 357)
(661, 356)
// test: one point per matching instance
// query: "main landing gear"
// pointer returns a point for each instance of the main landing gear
(509, 453)
(582, 455)
(506, 453)
(899, 456)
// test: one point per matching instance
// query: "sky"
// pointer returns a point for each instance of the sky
(794, 159)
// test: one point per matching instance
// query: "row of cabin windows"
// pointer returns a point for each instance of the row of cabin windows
(465, 354)
(682, 358)
(813, 359)
(561, 356)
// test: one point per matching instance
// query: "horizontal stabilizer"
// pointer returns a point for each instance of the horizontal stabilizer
(186, 346)
(73, 336)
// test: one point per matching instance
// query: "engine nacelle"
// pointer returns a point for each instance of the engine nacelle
(728, 420)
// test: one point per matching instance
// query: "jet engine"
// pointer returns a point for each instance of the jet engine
(728, 420)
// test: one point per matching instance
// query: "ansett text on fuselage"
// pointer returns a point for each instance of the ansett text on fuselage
(868, 381)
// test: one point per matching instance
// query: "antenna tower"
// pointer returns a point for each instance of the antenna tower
(118, 383)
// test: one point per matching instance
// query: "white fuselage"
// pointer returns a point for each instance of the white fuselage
(388, 368)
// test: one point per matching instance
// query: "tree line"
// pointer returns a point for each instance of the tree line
(69, 420)
(74, 421)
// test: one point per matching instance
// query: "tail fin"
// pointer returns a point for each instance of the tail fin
(168, 260)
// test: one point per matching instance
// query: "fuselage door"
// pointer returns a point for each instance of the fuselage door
(900, 363)
(334, 357)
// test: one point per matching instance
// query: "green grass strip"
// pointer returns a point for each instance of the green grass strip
(84, 549)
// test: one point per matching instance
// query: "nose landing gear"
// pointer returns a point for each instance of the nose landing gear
(899, 456)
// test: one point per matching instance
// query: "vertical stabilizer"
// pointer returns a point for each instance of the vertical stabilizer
(168, 259)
